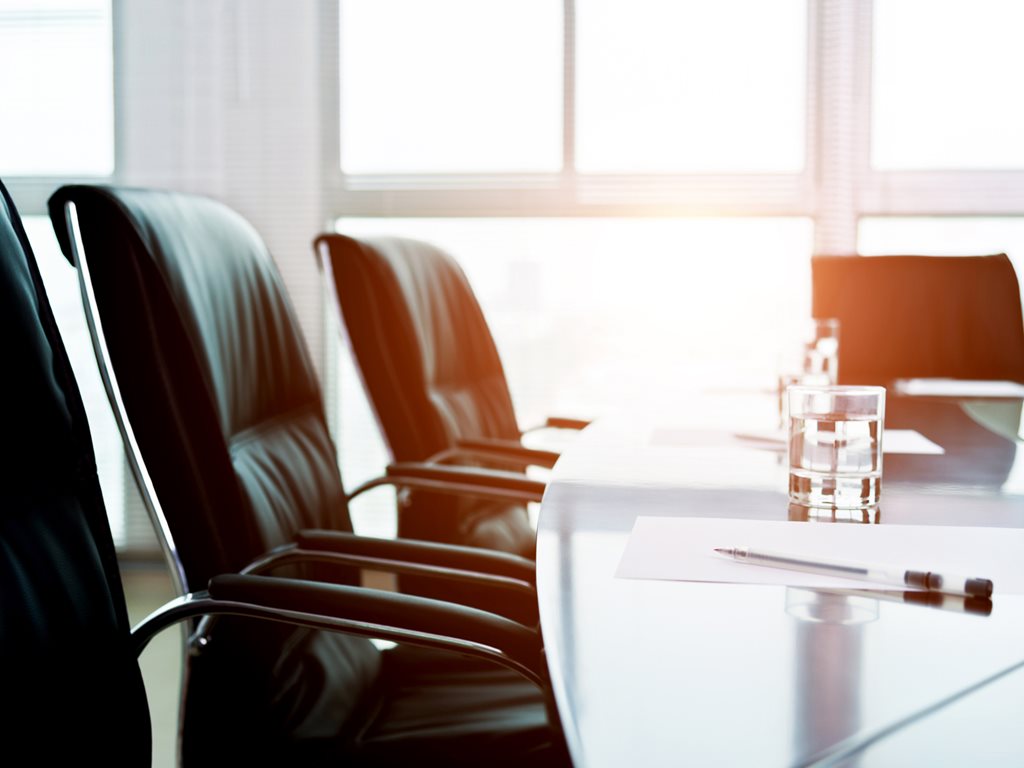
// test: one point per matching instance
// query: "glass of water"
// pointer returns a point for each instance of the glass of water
(813, 360)
(821, 349)
(835, 446)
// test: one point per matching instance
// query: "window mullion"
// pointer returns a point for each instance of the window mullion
(842, 138)
(569, 89)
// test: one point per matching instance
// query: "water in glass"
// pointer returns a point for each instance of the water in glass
(835, 460)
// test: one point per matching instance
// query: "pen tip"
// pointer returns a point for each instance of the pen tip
(721, 550)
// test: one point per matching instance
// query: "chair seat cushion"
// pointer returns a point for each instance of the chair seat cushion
(496, 525)
(472, 522)
(441, 709)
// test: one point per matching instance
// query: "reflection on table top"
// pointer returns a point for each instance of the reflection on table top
(671, 673)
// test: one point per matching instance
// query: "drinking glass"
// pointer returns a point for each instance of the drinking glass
(812, 360)
(821, 350)
(835, 446)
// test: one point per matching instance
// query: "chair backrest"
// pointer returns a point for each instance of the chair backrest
(71, 685)
(213, 371)
(221, 395)
(922, 316)
(422, 345)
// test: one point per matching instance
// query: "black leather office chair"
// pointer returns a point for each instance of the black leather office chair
(922, 316)
(224, 420)
(434, 378)
(63, 623)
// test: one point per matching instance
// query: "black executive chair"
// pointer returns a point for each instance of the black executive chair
(922, 316)
(434, 378)
(63, 622)
(223, 416)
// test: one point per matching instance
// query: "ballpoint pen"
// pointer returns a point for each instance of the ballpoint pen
(883, 574)
(979, 606)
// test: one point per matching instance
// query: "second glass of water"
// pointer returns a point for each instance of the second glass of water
(835, 446)
(821, 350)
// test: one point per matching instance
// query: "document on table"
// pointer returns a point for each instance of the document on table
(681, 549)
(907, 441)
(959, 388)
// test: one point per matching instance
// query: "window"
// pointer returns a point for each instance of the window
(939, 127)
(444, 101)
(944, 72)
(681, 87)
(56, 76)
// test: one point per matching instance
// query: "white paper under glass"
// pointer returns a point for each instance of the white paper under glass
(835, 446)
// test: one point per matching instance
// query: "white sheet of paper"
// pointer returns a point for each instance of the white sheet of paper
(909, 441)
(959, 388)
(893, 441)
(681, 549)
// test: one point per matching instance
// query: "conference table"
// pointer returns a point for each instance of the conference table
(661, 672)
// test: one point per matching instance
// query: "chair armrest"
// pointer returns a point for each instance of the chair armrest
(358, 611)
(561, 422)
(504, 581)
(508, 450)
(480, 565)
(477, 479)
(405, 618)
(459, 481)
